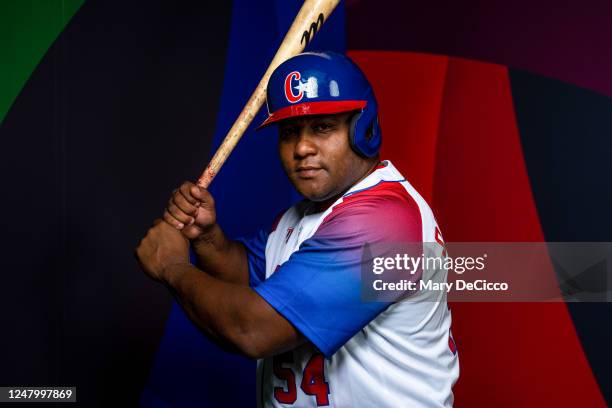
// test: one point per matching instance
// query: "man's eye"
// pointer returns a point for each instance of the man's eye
(322, 127)
(287, 132)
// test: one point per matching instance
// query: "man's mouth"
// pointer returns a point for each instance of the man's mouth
(306, 172)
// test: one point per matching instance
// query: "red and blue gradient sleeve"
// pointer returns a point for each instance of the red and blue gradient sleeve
(318, 289)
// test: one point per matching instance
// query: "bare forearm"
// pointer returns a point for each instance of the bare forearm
(221, 257)
(202, 297)
(230, 313)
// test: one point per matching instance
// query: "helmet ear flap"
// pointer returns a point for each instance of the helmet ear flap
(364, 133)
(352, 126)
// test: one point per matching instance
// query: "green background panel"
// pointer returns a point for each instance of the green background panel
(27, 30)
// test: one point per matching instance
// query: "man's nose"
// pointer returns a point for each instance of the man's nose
(305, 145)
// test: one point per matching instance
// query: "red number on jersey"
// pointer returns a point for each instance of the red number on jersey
(282, 396)
(313, 379)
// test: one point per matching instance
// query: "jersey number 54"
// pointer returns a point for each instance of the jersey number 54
(313, 379)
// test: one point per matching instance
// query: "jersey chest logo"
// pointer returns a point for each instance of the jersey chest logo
(289, 232)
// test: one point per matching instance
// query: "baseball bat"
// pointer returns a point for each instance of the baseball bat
(305, 25)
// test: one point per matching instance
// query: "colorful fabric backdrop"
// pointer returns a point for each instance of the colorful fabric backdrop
(499, 114)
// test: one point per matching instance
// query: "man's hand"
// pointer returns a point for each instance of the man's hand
(191, 210)
(163, 246)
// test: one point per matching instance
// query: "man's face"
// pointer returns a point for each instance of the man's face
(317, 157)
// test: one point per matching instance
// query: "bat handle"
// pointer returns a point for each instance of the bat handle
(206, 178)
(235, 133)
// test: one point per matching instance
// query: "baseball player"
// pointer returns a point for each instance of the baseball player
(291, 296)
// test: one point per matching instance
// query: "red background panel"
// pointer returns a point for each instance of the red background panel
(449, 126)
(409, 89)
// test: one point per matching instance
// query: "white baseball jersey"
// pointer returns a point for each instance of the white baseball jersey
(360, 353)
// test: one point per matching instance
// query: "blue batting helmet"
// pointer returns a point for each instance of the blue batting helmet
(320, 83)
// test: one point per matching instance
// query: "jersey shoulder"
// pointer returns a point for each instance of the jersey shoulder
(385, 207)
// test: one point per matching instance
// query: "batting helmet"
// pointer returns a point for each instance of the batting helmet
(319, 83)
